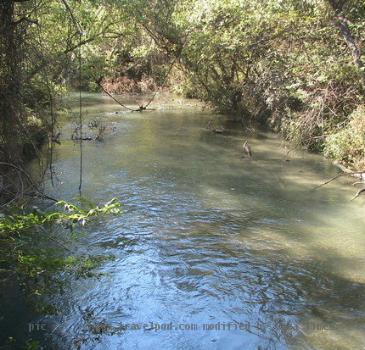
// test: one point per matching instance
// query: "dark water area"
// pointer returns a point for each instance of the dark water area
(213, 250)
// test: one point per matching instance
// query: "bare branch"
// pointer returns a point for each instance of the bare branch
(76, 24)
(358, 193)
(339, 175)
(25, 19)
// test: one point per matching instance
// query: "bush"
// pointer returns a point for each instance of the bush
(348, 144)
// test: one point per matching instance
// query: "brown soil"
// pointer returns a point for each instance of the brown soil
(123, 85)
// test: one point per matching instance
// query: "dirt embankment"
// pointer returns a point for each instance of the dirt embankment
(126, 85)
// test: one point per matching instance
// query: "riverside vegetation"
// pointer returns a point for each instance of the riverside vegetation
(294, 66)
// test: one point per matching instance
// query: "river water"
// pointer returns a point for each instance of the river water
(213, 250)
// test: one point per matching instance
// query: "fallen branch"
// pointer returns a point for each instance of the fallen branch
(340, 175)
(358, 193)
(84, 138)
(140, 109)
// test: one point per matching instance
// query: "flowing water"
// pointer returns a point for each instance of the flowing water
(213, 250)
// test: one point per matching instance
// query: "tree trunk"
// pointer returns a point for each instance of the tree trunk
(10, 83)
(341, 22)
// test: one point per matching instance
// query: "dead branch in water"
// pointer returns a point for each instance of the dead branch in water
(350, 173)
(140, 108)
(358, 193)
(338, 176)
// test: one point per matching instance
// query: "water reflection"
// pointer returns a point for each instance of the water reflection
(210, 238)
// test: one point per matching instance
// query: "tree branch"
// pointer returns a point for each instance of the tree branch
(342, 24)
(25, 19)
(340, 175)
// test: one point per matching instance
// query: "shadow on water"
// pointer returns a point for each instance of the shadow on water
(213, 251)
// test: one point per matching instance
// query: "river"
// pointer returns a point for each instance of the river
(213, 250)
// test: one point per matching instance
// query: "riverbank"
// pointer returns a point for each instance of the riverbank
(342, 142)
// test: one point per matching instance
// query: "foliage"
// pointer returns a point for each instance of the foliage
(294, 65)
(72, 215)
(40, 259)
(348, 144)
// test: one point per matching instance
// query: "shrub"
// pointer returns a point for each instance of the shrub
(348, 144)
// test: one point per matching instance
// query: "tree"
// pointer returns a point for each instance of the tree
(11, 109)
